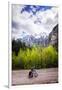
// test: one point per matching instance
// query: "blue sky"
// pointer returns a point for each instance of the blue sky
(34, 8)
(33, 20)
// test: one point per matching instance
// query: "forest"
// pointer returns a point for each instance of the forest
(26, 57)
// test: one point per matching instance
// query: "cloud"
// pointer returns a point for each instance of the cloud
(23, 20)
(15, 25)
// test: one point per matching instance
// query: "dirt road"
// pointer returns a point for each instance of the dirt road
(20, 77)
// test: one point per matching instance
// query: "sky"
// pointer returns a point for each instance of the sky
(33, 20)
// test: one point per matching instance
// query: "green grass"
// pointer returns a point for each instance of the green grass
(37, 57)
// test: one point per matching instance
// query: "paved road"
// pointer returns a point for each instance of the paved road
(20, 77)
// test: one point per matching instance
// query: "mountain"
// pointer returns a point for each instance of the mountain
(53, 37)
(40, 39)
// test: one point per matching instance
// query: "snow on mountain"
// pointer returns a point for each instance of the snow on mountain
(38, 39)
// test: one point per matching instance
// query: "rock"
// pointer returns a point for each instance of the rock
(33, 73)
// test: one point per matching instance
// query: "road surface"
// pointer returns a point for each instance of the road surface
(20, 77)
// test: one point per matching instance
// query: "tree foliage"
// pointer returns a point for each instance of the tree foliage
(37, 57)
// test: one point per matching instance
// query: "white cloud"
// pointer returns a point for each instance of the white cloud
(26, 23)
